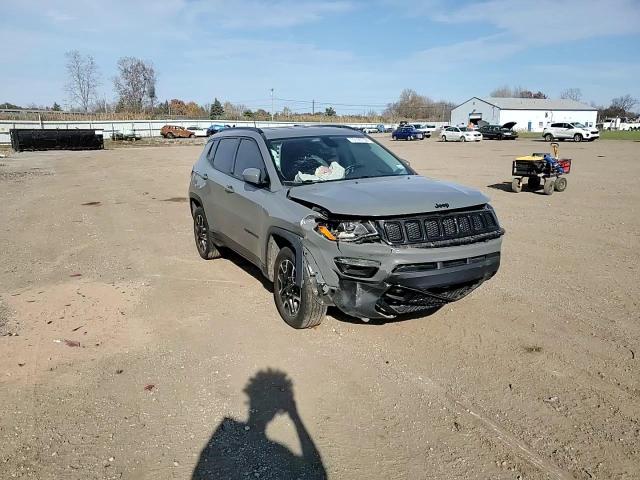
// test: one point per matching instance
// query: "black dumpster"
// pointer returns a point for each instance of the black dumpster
(55, 139)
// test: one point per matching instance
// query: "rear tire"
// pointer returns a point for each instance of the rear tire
(549, 186)
(202, 234)
(170, 135)
(560, 184)
(191, 136)
(548, 137)
(444, 138)
(300, 307)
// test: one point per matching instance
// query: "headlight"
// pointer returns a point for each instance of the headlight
(349, 231)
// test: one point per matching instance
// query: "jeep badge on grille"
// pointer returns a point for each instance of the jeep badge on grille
(442, 205)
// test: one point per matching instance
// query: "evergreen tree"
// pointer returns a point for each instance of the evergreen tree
(216, 110)
(56, 107)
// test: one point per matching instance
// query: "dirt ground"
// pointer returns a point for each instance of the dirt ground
(122, 352)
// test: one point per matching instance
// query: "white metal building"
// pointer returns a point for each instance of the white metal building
(530, 114)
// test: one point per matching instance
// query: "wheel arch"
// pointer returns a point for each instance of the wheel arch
(194, 202)
(277, 239)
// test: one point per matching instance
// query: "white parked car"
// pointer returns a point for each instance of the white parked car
(369, 130)
(574, 131)
(460, 134)
(198, 131)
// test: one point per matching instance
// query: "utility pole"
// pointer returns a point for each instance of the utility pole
(272, 104)
(313, 107)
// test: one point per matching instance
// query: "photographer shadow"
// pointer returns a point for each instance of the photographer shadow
(241, 450)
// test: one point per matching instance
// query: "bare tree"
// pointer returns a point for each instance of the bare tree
(624, 103)
(415, 106)
(571, 94)
(502, 92)
(135, 84)
(516, 92)
(83, 79)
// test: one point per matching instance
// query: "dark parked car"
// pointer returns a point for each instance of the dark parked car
(497, 132)
(407, 132)
(215, 129)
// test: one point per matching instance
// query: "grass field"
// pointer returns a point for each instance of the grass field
(604, 135)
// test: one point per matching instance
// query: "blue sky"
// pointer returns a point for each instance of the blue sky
(359, 53)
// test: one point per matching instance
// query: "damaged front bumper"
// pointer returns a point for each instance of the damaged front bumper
(405, 280)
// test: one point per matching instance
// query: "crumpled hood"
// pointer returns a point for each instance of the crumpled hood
(386, 196)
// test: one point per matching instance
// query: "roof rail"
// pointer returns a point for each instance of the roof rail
(252, 129)
(337, 126)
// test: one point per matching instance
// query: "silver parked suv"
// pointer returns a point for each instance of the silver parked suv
(331, 217)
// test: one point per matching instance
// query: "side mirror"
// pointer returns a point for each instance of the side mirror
(253, 176)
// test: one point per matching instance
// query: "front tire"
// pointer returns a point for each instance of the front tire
(202, 234)
(516, 185)
(462, 139)
(549, 186)
(577, 137)
(300, 307)
(548, 137)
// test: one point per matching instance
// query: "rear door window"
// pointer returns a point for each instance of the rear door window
(248, 156)
(225, 154)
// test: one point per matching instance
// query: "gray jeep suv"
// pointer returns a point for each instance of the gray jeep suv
(331, 217)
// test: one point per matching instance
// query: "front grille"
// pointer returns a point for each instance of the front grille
(442, 229)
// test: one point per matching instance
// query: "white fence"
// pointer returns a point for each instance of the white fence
(147, 128)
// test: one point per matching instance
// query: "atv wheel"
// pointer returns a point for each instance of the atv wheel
(300, 307)
(204, 244)
(516, 185)
(549, 186)
(560, 184)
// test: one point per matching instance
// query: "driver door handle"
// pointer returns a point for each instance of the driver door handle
(228, 189)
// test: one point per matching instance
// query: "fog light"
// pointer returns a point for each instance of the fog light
(357, 267)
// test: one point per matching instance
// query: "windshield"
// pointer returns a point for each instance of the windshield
(326, 158)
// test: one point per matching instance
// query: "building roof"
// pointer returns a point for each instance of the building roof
(535, 104)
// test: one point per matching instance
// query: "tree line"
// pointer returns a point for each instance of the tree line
(135, 89)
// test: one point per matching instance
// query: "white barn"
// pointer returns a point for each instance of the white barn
(530, 114)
